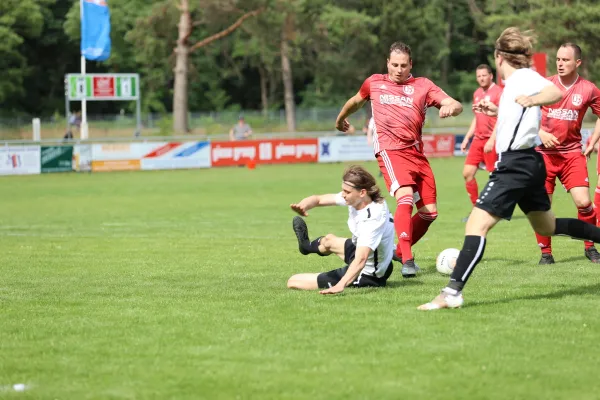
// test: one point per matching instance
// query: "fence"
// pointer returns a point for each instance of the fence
(204, 123)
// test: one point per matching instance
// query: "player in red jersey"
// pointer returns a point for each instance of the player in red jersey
(399, 102)
(560, 133)
(482, 128)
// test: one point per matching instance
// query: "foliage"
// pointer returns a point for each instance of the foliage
(335, 45)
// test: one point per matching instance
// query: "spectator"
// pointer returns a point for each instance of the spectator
(240, 131)
(74, 123)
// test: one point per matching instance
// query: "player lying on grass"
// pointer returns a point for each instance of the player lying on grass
(368, 255)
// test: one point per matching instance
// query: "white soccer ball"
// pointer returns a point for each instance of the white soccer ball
(446, 261)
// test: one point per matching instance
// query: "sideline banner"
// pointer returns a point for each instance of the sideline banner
(438, 145)
(19, 160)
(176, 155)
(345, 148)
(56, 158)
(276, 151)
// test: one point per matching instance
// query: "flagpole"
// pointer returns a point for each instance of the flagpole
(83, 130)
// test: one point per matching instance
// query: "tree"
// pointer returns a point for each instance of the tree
(19, 19)
(184, 48)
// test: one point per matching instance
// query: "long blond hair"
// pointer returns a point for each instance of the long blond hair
(516, 47)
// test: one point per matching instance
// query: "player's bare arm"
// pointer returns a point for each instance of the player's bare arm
(450, 108)
(548, 140)
(468, 136)
(352, 105)
(316, 200)
(360, 259)
(548, 95)
(489, 145)
(593, 140)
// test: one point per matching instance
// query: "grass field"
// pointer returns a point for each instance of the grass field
(171, 285)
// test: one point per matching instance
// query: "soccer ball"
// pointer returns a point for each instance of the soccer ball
(446, 261)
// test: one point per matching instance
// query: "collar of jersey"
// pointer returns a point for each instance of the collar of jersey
(410, 79)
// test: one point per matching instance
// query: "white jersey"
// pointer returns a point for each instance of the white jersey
(517, 127)
(372, 227)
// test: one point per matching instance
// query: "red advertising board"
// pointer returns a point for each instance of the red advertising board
(438, 145)
(104, 86)
(275, 151)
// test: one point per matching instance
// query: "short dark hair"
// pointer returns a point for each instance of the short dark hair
(486, 67)
(576, 49)
(399, 47)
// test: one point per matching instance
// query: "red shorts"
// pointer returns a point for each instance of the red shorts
(476, 155)
(408, 167)
(569, 168)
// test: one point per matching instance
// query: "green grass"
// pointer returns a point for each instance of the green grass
(171, 285)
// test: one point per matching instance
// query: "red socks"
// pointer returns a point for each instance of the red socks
(403, 225)
(472, 190)
(587, 214)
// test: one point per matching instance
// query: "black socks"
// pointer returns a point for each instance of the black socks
(469, 257)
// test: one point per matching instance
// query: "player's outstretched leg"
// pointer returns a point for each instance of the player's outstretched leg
(304, 244)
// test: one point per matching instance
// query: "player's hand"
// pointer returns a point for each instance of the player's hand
(463, 145)
(486, 107)
(300, 208)
(525, 101)
(447, 111)
(342, 126)
(548, 140)
(489, 146)
(333, 290)
(588, 151)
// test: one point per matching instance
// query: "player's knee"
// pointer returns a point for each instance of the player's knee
(327, 240)
(292, 283)
(583, 204)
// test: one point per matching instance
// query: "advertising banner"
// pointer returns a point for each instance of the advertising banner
(56, 159)
(345, 148)
(273, 151)
(438, 145)
(177, 156)
(119, 156)
(19, 160)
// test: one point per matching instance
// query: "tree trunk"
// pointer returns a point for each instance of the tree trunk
(182, 52)
(286, 74)
(446, 61)
(264, 96)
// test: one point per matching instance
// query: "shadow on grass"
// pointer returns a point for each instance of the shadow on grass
(576, 291)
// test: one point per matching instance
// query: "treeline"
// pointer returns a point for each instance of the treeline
(271, 53)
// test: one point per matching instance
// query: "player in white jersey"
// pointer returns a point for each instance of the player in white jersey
(520, 173)
(368, 255)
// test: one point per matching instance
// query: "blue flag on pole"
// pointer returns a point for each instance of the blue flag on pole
(95, 30)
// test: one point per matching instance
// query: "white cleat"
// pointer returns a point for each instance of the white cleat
(449, 298)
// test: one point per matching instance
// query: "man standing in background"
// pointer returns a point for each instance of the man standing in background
(481, 127)
(240, 131)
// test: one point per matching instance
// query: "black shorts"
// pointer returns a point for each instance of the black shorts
(331, 278)
(519, 178)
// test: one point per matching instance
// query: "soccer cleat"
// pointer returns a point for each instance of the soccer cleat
(301, 231)
(592, 255)
(549, 259)
(409, 269)
(449, 298)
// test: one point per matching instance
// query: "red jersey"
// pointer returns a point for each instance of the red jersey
(484, 124)
(399, 109)
(563, 119)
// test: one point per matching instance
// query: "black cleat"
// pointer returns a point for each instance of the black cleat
(396, 258)
(409, 269)
(549, 259)
(301, 231)
(593, 255)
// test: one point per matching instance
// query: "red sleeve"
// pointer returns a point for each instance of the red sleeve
(365, 89)
(595, 101)
(435, 96)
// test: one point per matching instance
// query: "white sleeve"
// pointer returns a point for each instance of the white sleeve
(370, 233)
(339, 200)
(536, 82)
